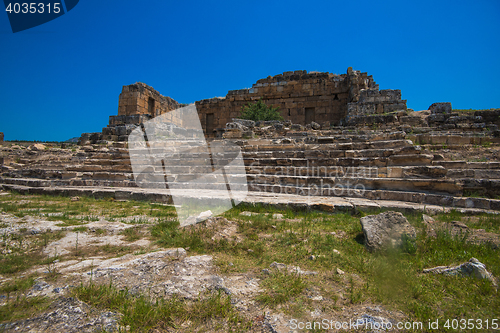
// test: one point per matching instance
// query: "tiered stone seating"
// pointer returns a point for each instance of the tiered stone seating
(367, 164)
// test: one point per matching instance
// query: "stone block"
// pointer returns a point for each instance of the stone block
(440, 108)
(458, 140)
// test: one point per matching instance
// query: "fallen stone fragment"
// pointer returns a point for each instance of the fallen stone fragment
(429, 223)
(385, 229)
(67, 315)
(197, 219)
(473, 268)
(291, 269)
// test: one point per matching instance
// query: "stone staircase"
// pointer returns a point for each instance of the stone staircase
(374, 165)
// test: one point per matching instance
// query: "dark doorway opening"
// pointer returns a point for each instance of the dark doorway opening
(310, 115)
(209, 125)
(151, 107)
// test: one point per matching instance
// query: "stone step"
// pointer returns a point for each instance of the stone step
(467, 165)
(473, 173)
(326, 185)
(181, 181)
(322, 153)
(453, 139)
(440, 200)
(389, 144)
(394, 160)
(373, 201)
(428, 172)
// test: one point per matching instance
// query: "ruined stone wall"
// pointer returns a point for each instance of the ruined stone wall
(301, 97)
(139, 98)
(374, 101)
(137, 104)
(1, 138)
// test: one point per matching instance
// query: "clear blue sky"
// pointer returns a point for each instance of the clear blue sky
(64, 77)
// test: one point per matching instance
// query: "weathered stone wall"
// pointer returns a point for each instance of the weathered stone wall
(301, 97)
(139, 98)
(1, 138)
(137, 104)
(374, 101)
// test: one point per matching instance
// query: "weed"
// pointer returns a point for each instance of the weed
(23, 307)
(281, 287)
(131, 234)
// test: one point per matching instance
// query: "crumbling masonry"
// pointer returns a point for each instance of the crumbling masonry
(302, 98)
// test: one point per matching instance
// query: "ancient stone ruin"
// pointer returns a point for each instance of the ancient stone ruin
(302, 98)
(344, 144)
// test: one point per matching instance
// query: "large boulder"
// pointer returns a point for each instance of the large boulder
(385, 229)
(443, 108)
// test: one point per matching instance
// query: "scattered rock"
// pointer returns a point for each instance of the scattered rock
(473, 268)
(291, 269)
(339, 271)
(458, 224)
(245, 213)
(377, 322)
(37, 146)
(429, 223)
(197, 219)
(245, 122)
(427, 219)
(75, 198)
(385, 229)
(278, 216)
(67, 315)
(315, 126)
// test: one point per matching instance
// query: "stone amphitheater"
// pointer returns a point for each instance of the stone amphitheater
(340, 168)
(371, 156)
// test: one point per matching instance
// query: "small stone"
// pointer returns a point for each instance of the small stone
(427, 219)
(278, 216)
(277, 265)
(312, 257)
(75, 198)
(249, 250)
(340, 272)
(336, 251)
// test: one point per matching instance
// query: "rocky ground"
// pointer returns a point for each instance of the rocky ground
(127, 255)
